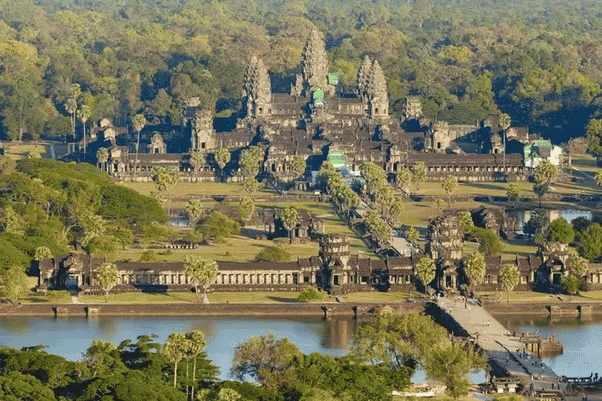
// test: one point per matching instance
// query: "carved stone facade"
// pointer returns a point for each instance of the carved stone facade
(157, 145)
(203, 135)
(445, 238)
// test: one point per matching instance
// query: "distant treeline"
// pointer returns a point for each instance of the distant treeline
(539, 61)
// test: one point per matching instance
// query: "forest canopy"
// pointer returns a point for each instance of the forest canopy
(538, 61)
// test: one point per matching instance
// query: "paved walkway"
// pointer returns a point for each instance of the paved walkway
(504, 349)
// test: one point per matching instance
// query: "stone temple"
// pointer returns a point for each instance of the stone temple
(316, 118)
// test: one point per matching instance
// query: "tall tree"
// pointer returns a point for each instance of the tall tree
(107, 277)
(196, 346)
(194, 208)
(222, 157)
(425, 270)
(139, 121)
(197, 159)
(102, 155)
(175, 348)
(266, 359)
(246, 208)
(404, 179)
(513, 193)
(289, 220)
(84, 113)
(14, 283)
(449, 186)
(474, 268)
(508, 278)
(419, 172)
(298, 163)
(450, 364)
(203, 272)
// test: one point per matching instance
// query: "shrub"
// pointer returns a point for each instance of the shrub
(275, 254)
(218, 226)
(149, 256)
(312, 294)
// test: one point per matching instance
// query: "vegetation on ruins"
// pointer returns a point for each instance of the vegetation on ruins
(404, 179)
(107, 278)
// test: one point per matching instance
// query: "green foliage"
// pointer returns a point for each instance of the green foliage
(513, 192)
(589, 244)
(490, 243)
(560, 230)
(14, 283)
(466, 222)
(202, 272)
(571, 283)
(474, 267)
(397, 342)
(451, 363)
(266, 359)
(312, 294)
(509, 277)
(412, 235)
(218, 226)
(275, 254)
(107, 277)
(425, 270)
(149, 256)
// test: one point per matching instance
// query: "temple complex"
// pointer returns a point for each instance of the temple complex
(316, 117)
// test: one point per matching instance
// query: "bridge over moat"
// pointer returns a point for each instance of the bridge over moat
(506, 352)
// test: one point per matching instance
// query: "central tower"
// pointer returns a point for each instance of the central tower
(314, 64)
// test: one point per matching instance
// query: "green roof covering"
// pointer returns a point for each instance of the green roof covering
(318, 95)
(337, 159)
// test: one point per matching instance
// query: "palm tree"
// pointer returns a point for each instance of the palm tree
(196, 345)
(139, 122)
(194, 208)
(175, 350)
(505, 124)
(102, 155)
(71, 107)
(84, 113)
(196, 161)
(289, 220)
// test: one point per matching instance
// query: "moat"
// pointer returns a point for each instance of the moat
(70, 337)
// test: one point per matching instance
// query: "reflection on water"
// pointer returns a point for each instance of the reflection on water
(581, 339)
(70, 337)
(523, 216)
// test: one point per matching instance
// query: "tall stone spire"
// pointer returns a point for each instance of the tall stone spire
(314, 63)
(363, 74)
(377, 92)
(257, 88)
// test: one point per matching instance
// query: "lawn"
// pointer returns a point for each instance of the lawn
(586, 163)
(237, 249)
(517, 296)
(21, 151)
(376, 296)
(171, 297)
